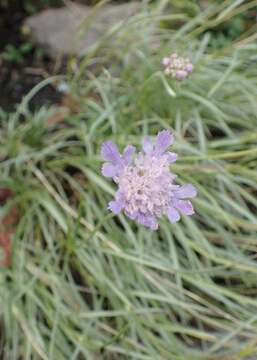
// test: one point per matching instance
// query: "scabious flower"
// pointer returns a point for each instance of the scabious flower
(177, 66)
(146, 188)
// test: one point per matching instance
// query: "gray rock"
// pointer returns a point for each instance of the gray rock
(74, 29)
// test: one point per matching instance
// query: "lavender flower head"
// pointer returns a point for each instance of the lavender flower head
(177, 66)
(146, 187)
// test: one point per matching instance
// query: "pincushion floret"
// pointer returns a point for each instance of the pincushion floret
(147, 189)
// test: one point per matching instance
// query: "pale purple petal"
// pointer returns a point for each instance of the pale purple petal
(147, 220)
(181, 74)
(109, 170)
(166, 61)
(163, 141)
(189, 68)
(147, 145)
(128, 154)
(132, 216)
(109, 152)
(184, 206)
(173, 215)
(172, 157)
(186, 191)
(115, 206)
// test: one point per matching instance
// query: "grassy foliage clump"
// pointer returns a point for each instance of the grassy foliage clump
(85, 285)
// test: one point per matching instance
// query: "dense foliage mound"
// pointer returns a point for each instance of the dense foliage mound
(83, 284)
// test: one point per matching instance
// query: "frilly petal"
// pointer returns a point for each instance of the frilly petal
(163, 141)
(115, 206)
(173, 215)
(128, 154)
(109, 170)
(147, 145)
(172, 157)
(109, 152)
(184, 206)
(186, 191)
(147, 220)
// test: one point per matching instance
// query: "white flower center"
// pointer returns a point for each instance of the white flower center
(147, 185)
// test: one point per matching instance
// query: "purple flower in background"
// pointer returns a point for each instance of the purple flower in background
(146, 188)
(177, 66)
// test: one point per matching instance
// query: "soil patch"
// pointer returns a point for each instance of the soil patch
(22, 65)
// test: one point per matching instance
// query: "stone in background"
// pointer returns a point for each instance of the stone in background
(72, 30)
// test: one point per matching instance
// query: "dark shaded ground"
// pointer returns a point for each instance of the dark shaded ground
(18, 77)
(25, 70)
